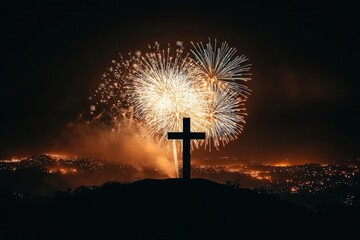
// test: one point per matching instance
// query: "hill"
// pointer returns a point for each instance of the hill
(167, 209)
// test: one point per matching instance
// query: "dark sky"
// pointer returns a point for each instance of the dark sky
(305, 102)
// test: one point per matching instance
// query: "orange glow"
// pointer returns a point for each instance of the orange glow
(58, 156)
(13, 160)
(62, 170)
(256, 174)
(282, 164)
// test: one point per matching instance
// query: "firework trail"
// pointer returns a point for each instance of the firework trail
(155, 91)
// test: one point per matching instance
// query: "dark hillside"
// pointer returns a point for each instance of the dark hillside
(167, 209)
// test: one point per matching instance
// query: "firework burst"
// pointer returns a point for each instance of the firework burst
(158, 89)
(221, 67)
(165, 92)
(224, 117)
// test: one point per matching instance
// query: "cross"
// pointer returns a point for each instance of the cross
(186, 136)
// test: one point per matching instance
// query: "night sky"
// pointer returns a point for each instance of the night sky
(305, 63)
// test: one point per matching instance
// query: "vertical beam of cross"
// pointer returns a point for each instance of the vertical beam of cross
(186, 135)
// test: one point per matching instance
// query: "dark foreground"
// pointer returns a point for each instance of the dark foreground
(170, 209)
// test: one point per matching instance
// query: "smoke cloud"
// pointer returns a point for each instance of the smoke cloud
(123, 146)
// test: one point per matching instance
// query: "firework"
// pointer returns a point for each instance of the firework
(162, 87)
(224, 117)
(222, 67)
(111, 100)
(165, 92)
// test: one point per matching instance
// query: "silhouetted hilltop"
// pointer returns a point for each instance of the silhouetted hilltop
(167, 209)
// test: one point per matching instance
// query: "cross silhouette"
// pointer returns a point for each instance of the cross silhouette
(186, 136)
